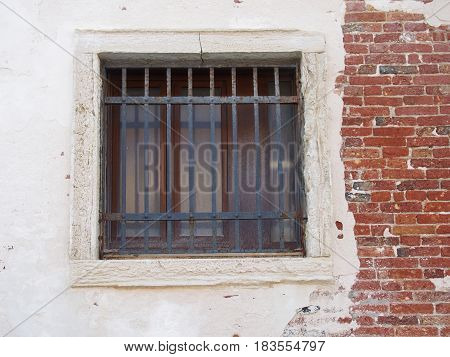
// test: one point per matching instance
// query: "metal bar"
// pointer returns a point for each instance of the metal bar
(199, 216)
(157, 124)
(212, 121)
(258, 159)
(136, 158)
(280, 158)
(169, 159)
(298, 167)
(191, 160)
(146, 157)
(123, 157)
(214, 216)
(182, 254)
(162, 61)
(235, 161)
(104, 229)
(146, 82)
(204, 100)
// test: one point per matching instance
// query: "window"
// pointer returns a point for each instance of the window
(92, 208)
(201, 161)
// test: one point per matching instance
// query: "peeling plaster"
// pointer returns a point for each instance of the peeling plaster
(436, 13)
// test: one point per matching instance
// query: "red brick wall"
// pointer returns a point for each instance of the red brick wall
(396, 125)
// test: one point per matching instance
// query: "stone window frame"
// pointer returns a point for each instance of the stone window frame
(93, 47)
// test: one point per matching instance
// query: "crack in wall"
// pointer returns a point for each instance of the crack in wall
(201, 48)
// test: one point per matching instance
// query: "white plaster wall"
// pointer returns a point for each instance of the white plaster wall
(36, 112)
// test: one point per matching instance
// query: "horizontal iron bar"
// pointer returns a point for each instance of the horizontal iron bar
(113, 253)
(203, 100)
(140, 61)
(199, 216)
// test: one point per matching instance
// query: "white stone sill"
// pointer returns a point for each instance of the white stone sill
(197, 272)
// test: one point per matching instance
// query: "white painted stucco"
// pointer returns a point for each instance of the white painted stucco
(36, 136)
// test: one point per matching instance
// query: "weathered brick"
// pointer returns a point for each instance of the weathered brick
(398, 69)
(357, 197)
(416, 331)
(412, 308)
(369, 16)
(396, 130)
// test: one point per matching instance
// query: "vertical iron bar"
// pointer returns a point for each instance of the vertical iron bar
(235, 160)
(212, 121)
(106, 117)
(123, 153)
(280, 151)
(169, 160)
(258, 159)
(298, 169)
(136, 156)
(191, 160)
(146, 159)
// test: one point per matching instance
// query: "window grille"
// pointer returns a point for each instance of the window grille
(202, 160)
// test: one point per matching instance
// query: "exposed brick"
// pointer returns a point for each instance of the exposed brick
(401, 207)
(366, 285)
(364, 80)
(372, 90)
(417, 185)
(435, 262)
(405, 218)
(443, 308)
(394, 151)
(433, 273)
(381, 196)
(403, 16)
(369, 111)
(398, 320)
(416, 110)
(365, 17)
(427, 141)
(396, 129)
(391, 131)
(412, 308)
(374, 218)
(393, 27)
(428, 69)
(411, 47)
(432, 79)
(380, 141)
(356, 48)
(416, 331)
(357, 197)
(374, 331)
(375, 252)
(403, 174)
(389, 101)
(398, 69)
(414, 229)
(403, 90)
(400, 274)
(418, 285)
(367, 69)
(415, 26)
(438, 195)
(385, 59)
(437, 207)
(396, 263)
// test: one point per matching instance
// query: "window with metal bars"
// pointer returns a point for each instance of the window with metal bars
(203, 160)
